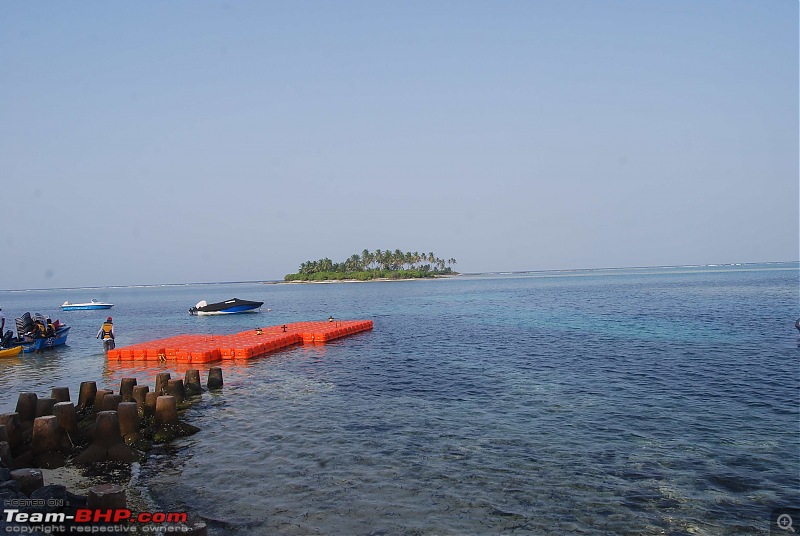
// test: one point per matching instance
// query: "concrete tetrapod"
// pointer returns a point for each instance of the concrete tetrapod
(214, 378)
(126, 386)
(68, 422)
(86, 394)
(128, 414)
(167, 426)
(61, 394)
(107, 443)
(44, 406)
(26, 408)
(46, 434)
(110, 402)
(46, 442)
(192, 382)
(176, 389)
(139, 393)
(150, 404)
(161, 383)
(97, 406)
(13, 428)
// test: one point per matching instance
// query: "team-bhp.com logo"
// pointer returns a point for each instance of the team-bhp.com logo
(87, 520)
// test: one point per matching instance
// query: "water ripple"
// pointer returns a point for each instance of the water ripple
(629, 404)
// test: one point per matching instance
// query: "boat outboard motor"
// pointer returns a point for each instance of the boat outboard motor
(24, 324)
(7, 339)
(200, 304)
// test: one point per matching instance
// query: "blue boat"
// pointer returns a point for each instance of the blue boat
(43, 343)
(37, 333)
(94, 304)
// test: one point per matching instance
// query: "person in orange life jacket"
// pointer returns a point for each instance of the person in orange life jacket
(39, 329)
(107, 334)
(49, 330)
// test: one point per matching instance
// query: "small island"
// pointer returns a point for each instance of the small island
(376, 264)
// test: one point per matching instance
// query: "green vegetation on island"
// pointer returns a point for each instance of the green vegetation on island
(375, 265)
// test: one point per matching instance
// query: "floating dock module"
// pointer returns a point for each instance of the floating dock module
(243, 345)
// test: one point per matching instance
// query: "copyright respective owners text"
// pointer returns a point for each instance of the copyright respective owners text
(56, 516)
(784, 521)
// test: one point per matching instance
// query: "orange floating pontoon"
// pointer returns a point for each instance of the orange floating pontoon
(243, 345)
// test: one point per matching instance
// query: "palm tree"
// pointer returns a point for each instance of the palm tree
(308, 267)
(383, 260)
(353, 264)
(408, 259)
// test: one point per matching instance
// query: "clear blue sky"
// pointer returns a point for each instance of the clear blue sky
(198, 141)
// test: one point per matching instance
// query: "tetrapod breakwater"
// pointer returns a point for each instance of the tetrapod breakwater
(103, 427)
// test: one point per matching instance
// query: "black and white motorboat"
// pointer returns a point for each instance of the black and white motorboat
(232, 306)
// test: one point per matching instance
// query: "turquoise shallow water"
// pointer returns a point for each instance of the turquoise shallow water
(648, 401)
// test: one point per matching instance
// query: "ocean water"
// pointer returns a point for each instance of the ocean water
(639, 401)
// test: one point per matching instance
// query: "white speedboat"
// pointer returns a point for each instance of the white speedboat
(94, 304)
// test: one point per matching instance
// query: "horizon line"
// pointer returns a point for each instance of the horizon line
(491, 272)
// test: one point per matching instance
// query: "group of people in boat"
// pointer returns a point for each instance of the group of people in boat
(40, 327)
(28, 329)
(45, 328)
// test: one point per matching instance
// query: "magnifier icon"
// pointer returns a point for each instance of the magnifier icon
(785, 522)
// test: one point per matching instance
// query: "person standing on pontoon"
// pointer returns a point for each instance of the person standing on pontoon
(107, 334)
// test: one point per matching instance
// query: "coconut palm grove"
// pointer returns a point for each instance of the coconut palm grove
(375, 265)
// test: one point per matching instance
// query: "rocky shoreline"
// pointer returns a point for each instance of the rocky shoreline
(65, 468)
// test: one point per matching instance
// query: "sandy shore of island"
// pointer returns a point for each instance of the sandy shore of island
(376, 280)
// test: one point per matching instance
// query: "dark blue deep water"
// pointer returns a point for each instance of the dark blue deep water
(648, 401)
